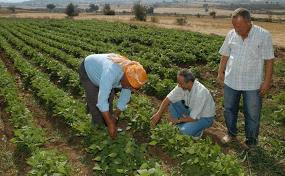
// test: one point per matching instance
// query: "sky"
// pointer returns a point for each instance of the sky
(27, 0)
(12, 0)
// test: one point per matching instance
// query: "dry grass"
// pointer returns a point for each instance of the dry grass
(201, 11)
(34, 15)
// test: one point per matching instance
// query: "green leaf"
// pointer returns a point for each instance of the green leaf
(121, 171)
(153, 143)
(97, 167)
(112, 155)
(98, 158)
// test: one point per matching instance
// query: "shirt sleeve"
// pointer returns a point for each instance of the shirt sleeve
(124, 98)
(267, 51)
(198, 107)
(225, 49)
(176, 94)
(105, 88)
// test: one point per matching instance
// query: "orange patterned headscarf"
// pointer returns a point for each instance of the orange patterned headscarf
(134, 71)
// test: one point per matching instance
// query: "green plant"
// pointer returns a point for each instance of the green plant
(72, 111)
(48, 162)
(199, 158)
(27, 136)
(181, 21)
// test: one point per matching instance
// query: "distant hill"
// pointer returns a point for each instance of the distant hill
(63, 3)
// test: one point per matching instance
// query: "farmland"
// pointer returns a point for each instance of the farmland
(43, 105)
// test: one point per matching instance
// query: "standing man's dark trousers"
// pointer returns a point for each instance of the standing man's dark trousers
(91, 93)
(252, 104)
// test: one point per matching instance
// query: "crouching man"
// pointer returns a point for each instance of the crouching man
(190, 104)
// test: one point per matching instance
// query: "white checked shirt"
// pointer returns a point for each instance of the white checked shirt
(244, 70)
(199, 100)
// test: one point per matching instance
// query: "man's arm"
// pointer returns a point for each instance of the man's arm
(221, 71)
(265, 86)
(123, 100)
(105, 88)
(225, 51)
(157, 116)
(267, 54)
(185, 119)
(111, 124)
(180, 120)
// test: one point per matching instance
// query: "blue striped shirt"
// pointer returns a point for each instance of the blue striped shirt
(106, 75)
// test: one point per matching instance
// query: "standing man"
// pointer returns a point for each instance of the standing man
(191, 106)
(245, 51)
(99, 75)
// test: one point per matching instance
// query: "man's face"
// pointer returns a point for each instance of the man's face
(126, 85)
(181, 83)
(241, 26)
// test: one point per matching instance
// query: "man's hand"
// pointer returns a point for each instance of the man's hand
(221, 78)
(154, 119)
(117, 114)
(111, 124)
(221, 71)
(112, 129)
(264, 88)
(172, 120)
(157, 116)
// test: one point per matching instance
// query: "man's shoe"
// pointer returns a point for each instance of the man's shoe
(228, 138)
(250, 151)
(197, 137)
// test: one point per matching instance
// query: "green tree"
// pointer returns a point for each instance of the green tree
(140, 12)
(12, 9)
(150, 10)
(50, 7)
(213, 14)
(107, 10)
(93, 8)
(71, 10)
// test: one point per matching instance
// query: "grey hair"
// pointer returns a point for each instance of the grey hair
(242, 12)
(187, 74)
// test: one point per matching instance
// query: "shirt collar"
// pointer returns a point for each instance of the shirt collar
(194, 85)
(251, 31)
